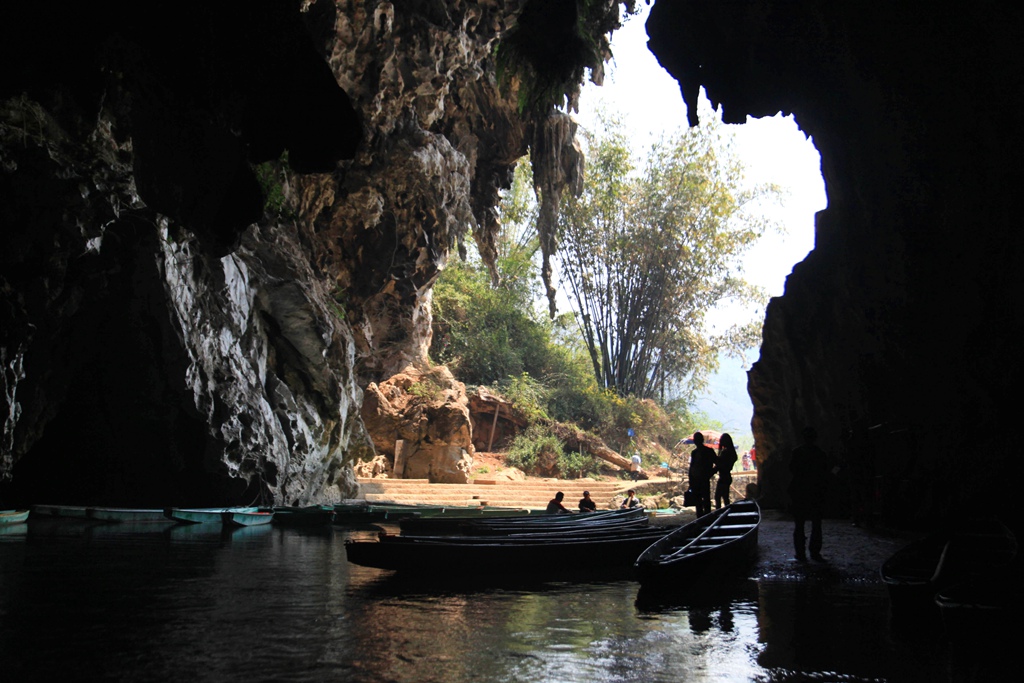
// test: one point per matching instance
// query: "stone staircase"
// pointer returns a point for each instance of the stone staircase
(533, 493)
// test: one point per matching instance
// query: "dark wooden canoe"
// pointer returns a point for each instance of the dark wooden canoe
(916, 572)
(129, 515)
(541, 523)
(550, 557)
(984, 612)
(308, 516)
(723, 542)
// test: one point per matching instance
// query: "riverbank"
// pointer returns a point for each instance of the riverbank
(852, 554)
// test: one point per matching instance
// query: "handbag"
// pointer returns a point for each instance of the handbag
(689, 498)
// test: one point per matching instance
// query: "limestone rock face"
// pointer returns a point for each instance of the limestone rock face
(420, 421)
(894, 335)
(140, 357)
(178, 329)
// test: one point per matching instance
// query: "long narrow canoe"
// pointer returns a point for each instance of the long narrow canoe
(722, 542)
(76, 511)
(203, 515)
(246, 517)
(129, 515)
(501, 526)
(916, 572)
(500, 557)
(8, 517)
(310, 515)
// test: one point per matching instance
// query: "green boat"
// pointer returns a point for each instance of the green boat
(239, 517)
(10, 517)
(129, 515)
(76, 511)
(203, 515)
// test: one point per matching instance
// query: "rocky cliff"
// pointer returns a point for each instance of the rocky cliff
(222, 222)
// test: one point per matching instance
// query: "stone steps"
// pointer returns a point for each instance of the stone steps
(533, 494)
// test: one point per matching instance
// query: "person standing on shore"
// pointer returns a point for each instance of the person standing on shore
(809, 470)
(723, 466)
(702, 466)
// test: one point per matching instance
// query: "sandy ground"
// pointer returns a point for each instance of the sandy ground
(852, 554)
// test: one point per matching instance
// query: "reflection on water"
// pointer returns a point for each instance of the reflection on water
(160, 603)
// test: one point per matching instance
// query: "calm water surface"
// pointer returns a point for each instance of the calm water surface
(82, 602)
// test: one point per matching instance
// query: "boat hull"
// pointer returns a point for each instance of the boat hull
(723, 543)
(75, 511)
(246, 518)
(484, 558)
(10, 517)
(914, 574)
(203, 515)
(128, 515)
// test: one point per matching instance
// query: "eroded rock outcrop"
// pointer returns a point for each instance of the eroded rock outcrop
(419, 420)
(208, 251)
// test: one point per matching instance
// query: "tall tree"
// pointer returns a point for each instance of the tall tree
(649, 248)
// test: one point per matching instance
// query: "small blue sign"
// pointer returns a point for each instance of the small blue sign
(631, 432)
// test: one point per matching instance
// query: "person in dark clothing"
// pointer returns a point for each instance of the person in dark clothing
(702, 466)
(555, 504)
(587, 504)
(723, 466)
(808, 467)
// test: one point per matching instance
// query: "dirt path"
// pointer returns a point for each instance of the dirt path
(852, 554)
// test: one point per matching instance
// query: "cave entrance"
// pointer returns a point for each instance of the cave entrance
(773, 150)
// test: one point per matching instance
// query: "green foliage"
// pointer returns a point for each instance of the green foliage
(485, 328)
(428, 388)
(573, 465)
(648, 249)
(551, 47)
(272, 176)
(526, 448)
(527, 394)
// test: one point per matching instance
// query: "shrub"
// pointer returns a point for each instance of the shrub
(526, 448)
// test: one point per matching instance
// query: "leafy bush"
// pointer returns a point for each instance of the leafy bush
(527, 395)
(576, 465)
(525, 450)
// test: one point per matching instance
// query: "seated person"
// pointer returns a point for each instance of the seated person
(631, 500)
(555, 504)
(587, 504)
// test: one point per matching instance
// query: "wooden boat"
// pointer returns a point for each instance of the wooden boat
(506, 525)
(368, 513)
(982, 613)
(914, 574)
(76, 511)
(10, 517)
(127, 515)
(203, 515)
(722, 542)
(239, 517)
(551, 557)
(310, 515)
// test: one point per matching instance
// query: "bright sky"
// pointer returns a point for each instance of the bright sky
(773, 149)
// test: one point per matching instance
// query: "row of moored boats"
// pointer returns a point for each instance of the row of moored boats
(606, 543)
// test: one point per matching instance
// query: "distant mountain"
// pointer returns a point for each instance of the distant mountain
(726, 398)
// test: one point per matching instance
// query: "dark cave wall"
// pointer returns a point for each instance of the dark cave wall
(158, 346)
(895, 336)
(167, 335)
